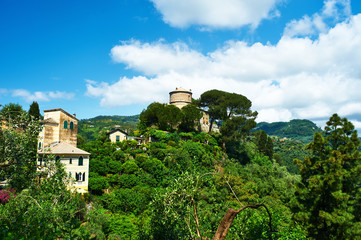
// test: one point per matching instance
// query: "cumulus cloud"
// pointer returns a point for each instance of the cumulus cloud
(40, 96)
(216, 13)
(298, 77)
(332, 12)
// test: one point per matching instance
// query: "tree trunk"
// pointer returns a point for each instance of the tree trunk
(229, 217)
(226, 224)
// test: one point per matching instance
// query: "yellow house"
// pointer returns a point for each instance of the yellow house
(74, 160)
(117, 135)
(59, 139)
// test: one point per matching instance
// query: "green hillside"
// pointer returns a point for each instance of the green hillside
(91, 128)
(301, 130)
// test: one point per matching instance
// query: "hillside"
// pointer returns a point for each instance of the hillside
(90, 128)
(301, 130)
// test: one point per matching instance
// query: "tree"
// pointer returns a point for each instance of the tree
(44, 211)
(18, 151)
(150, 116)
(212, 101)
(190, 118)
(34, 111)
(328, 197)
(11, 112)
(234, 112)
(264, 143)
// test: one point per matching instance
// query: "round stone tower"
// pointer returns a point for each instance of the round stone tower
(180, 97)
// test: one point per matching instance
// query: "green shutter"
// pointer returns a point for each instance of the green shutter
(80, 162)
(65, 124)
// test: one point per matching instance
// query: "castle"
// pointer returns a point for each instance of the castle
(181, 97)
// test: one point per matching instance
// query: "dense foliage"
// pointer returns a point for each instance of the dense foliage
(328, 199)
(185, 184)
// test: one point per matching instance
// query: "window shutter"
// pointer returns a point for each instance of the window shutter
(83, 177)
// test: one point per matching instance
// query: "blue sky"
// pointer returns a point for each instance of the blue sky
(291, 58)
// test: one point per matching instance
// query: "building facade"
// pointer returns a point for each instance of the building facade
(180, 97)
(58, 138)
(117, 135)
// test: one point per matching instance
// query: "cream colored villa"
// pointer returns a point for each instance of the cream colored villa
(59, 139)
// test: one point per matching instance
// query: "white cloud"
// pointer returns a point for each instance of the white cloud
(40, 96)
(158, 57)
(333, 12)
(216, 13)
(295, 78)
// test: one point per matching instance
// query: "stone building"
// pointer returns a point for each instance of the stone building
(59, 139)
(58, 126)
(181, 97)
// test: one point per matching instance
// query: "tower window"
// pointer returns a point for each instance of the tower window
(65, 124)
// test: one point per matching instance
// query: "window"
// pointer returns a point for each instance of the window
(39, 145)
(71, 126)
(69, 175)
(70, 161)
(57, 158)
(40, 161)
(80, 162)
(65, 124)
(117, 138)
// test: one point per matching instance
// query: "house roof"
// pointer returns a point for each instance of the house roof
(181, 90)
(61, 110)
(62, 148)
(117, 130)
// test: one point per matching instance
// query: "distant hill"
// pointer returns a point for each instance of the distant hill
(301, 130)
(90, 128)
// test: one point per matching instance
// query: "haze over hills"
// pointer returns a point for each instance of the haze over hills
(301, 130)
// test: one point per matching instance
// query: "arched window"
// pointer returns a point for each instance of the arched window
(71, 126)
(80, 162)
(80, 175)
(39, 145)
(65, 124)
